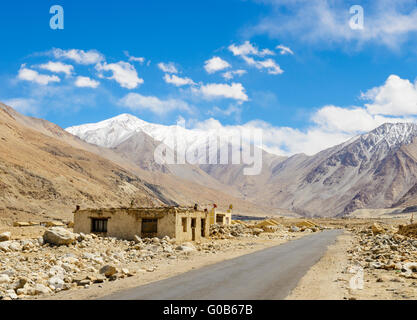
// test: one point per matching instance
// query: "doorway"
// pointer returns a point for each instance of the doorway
(193, 226)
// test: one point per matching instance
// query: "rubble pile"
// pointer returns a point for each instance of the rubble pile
(218, 231)
(384, 248)
(62, 260)
(408, 230)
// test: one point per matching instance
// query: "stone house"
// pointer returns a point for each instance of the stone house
(183, 224)
(218, 217)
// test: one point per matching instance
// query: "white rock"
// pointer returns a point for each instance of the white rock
(59, 236)
(5, 236)
(57, 283)
(41, 289)
(11, 294)
(15, 246)
(4, 278)
(4, 246)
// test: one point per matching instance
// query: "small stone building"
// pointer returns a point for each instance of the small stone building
(183, 224)
(218, 217)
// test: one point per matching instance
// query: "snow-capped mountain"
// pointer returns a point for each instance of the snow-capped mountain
(113, 132)
(373, 170)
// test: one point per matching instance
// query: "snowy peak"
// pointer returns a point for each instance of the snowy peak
(111, 132)
(391, 135)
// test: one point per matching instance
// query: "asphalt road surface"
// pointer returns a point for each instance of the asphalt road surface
(269, 274)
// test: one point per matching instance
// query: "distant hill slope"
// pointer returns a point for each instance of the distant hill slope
(46, 171)
(40, 174)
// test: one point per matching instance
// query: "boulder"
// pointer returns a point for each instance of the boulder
(137, 239)
(59, 236)
(56, 283)
(4, 278)
(20, 283)
(108, 270)
(41, 289)
(11, 294)
(257, 231)
(15, 246)
(53, 224)
(5, 236)
(294, 229)
(21, 224)
(185, 248)
(4, 246)
(377, 229)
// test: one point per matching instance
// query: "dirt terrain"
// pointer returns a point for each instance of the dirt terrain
(372, 250)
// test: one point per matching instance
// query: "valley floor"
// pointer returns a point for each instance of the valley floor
(370, 260)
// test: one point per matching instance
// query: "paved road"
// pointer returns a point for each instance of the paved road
(267, 274)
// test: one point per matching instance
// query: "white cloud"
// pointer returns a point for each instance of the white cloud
(122, 72)
(167, 67)
(86, 82)
(229, 75)
(331, 125)
(138, 102)
(397, 97)
(79, 56)
(389, 23)
(178, 81)
(248, 49)
(284, 50)
(216, 64)
(58, 67)
(270, 65)
(34, 76)
(234, 91)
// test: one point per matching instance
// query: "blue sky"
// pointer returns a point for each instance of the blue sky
(294, 68)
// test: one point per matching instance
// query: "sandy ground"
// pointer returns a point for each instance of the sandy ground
(330, 279)
(169, 269)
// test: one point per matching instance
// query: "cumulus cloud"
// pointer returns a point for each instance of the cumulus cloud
(58, 67)
(247, 50)
(331, 125)
(234, 91)
(216, 64)
(138, 102)
(86, 82)
(122, 72)
(167, 67)
(396, 97)
(79, 56)
(26, 74)
(178, 81)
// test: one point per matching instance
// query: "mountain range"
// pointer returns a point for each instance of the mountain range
(45, 171)
(374, 170)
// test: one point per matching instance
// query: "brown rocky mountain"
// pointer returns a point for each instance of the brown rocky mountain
(41, 175)
(374, 170)
(45, 172)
